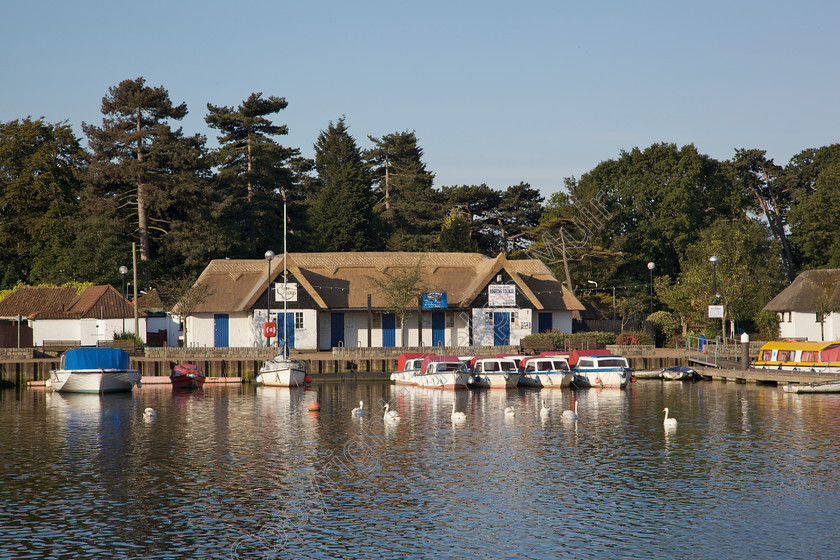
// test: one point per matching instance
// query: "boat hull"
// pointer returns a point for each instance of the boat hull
(503, 380)
(443, 380)
(94, 381)
(187, 376)
(546, 379)
(829, 387)
(607, 379)
(281, 373)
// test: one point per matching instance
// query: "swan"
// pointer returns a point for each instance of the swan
(149, 414)
(510, 411)
(669, 422)
(391, 415)
(359, 411)
(457, 416)
(544, 411)
(571, 414)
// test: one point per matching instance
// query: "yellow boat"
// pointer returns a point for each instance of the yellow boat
(818, 357)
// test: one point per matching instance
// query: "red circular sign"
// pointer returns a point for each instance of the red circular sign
(269, 329)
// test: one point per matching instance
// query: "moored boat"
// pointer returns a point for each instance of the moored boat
(281, 372)
(496, 373)
(442, 372)
(679, 373)
(599, 368)
(825, 387)
(187, 376)
(94, 370)
(815, 357)
(545, 371)
(409, 365)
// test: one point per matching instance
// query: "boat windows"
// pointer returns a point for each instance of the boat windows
(545, 366)
(585, 362)
(508, 365)
(561, 365)
(615, 362)
(491, 366)
(766, 355)
(783, 356)
(810, 356)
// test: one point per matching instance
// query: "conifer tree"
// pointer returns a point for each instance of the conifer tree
(255, 171)
(342, 210)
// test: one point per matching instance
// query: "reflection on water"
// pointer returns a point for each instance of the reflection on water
(245, 472)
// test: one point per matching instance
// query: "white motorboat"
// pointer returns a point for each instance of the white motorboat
(606, 371)
(495, 373)
(94, 370)
(281, 372)
(442, 372)
(680, 373)
(545, 371)
(409, 364)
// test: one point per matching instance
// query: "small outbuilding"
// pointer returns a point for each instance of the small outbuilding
(809, 308)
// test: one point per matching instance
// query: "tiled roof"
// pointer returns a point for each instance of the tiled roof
(96, 302)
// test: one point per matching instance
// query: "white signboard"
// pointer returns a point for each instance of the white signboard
(715, 312)
(291, 291)
(501, 295)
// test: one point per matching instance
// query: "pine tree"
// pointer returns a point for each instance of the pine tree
(135, 116)
(342, 211)
(255, 171)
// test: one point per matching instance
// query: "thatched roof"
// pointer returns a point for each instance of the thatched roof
(38, 302)
(344, 280)
(810, 291)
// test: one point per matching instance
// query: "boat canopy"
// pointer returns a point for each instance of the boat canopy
(95, 358)
(574, 356)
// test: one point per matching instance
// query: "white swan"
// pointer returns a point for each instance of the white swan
(669, 422)
(457, 416)
(359, 411)
(571, 414)
(149, 414)
(544, 411)
(391, 415)
(510, 411)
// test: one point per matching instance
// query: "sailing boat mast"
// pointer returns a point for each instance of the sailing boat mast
(285, 293)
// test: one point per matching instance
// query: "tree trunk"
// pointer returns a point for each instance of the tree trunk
(142, 213)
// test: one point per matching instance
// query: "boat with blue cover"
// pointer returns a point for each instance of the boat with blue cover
(94, 370)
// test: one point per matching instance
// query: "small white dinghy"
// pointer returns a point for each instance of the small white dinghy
(827, 387)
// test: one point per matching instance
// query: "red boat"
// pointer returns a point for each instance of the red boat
(187, 376)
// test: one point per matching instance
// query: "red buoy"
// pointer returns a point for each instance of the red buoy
(314, 407)
(307, 378)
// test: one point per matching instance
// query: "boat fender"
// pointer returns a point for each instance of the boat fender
(507, 377)
(307, 378)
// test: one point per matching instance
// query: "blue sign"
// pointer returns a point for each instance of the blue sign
(433, 300)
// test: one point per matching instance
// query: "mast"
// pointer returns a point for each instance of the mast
(285, 293)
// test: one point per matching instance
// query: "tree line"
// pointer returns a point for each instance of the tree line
(70, 211)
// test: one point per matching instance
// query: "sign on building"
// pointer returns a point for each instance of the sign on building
(433, 300)
(501, 295)
(291, 291)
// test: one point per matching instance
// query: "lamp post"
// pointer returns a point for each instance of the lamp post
(123, 270)
(651, 266)
(713, 259)
(268, 256)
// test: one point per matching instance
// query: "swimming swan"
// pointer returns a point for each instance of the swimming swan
(669, 422)
(510, 411)
(571, 414)
(391, 415)
(544, 411)
(359, 411)
(457, 416)
(149, 414)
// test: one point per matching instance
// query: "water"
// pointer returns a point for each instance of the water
(245, 472)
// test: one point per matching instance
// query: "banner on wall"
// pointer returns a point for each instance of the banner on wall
(291, 291)
(501, 295)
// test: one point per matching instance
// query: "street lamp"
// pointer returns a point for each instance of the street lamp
(713, 259)
(651, 266)
(268, 256)
(123, 271)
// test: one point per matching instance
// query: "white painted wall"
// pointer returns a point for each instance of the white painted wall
(805, 325)
(87, 331)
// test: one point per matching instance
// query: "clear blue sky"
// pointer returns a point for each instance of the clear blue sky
(497, 92)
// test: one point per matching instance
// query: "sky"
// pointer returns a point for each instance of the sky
(496, 92)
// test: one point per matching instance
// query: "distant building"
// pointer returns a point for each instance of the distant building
(334, 300)
(804, 307)
(60, 314)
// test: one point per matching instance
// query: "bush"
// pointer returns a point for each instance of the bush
(560, 338)
(130, 336)
(633, 338)
(668, 327)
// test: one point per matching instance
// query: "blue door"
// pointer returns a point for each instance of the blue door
(221, 330)
(545, 323)
(501, 328)
(389, 330)
(438, 322)
(290, 329)
(337, 329)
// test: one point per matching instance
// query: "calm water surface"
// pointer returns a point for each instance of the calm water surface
(245, 472)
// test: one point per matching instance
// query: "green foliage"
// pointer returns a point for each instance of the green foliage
(668, 327)
(402, 288)
(767, 324)
(342, 210)
(138, 342)
(560, 338)
(455, 234)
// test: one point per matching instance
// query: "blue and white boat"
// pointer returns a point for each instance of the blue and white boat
(495, 373)
(545, 371)
(607, 371)
(94, 370)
